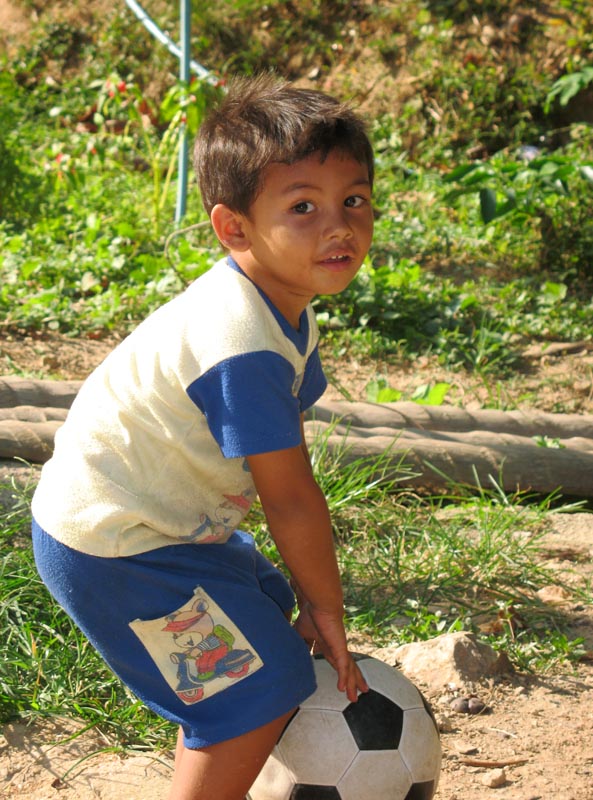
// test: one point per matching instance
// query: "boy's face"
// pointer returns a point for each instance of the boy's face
(308, 230)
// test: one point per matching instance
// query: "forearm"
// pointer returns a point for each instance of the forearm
(299, 521)
(303, 535)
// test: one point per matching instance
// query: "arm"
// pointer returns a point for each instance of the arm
(299, 521)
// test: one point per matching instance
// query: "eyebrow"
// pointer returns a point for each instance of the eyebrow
(296, 187)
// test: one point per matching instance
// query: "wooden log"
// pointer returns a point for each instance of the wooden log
(476, 438)
(441, 445)
(408, 415)
(30, 441)
(437, 465)
(44, 393)
(32, 414)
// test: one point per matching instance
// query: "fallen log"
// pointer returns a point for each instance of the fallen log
(435, 464)
(409, 415)
(40, 393)
(477, 438)
(32, 414)
(439, 446)
(32, 441)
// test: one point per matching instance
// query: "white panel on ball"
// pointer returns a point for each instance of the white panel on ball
(326, 695)
(376, 774)
(390, 682)
(420, 745)
(317, 746)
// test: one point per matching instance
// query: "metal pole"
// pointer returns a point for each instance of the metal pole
(184, 72)
(154, 29)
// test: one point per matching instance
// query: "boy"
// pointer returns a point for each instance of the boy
(196, 412)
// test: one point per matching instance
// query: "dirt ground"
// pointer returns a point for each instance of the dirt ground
(534, 742)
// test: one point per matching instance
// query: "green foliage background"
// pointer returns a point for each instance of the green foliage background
(481, 118)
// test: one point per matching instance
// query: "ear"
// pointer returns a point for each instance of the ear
(228, 226)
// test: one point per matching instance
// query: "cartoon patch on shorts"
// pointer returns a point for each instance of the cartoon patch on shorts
(197, 648)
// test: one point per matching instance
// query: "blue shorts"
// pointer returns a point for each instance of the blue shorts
(197, 631)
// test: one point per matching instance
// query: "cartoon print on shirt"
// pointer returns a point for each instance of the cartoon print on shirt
(227, 518)
(198, 649)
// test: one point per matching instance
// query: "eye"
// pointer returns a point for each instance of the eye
(354, 201)
(304, 207)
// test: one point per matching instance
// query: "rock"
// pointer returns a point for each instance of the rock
(468, 705)
(460, 705)
(465, 748)
(444, 723)
(453, 659)
(476, 706)
(494, 778)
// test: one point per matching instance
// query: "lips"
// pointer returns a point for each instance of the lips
(337, 260)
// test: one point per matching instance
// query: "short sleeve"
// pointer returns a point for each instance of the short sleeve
(249, 404)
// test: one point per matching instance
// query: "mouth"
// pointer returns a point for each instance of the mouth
(337, 262)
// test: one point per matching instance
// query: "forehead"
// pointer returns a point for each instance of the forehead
(314, 171)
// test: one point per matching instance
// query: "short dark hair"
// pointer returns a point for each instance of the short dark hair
(263, 120)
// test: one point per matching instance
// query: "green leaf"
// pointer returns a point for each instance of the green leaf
(379, 391)
(459, 172)
(554, 292)
(431, 394)
(488, 206)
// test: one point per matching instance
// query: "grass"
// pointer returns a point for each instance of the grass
(412, 568)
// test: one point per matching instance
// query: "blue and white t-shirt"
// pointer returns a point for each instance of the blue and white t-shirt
(153, 449)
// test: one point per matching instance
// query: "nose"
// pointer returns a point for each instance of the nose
(337, 225)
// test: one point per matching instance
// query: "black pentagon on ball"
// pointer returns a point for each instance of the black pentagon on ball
(375, 721)
(303, 791)
(421, 791)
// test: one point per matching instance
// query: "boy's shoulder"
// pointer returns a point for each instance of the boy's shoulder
(220, 315)
(221, 284)
(219, 296)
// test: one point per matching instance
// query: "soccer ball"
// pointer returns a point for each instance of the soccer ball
(384, 747)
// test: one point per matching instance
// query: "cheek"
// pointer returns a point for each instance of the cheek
(283, 235)
(366, 230)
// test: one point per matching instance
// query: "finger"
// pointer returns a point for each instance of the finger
(360, 681)
(354, 683)
(345, 672)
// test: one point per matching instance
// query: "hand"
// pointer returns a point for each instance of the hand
(324, 633)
